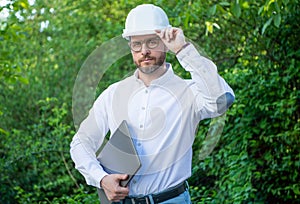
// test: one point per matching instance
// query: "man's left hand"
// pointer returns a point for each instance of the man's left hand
(172, 37)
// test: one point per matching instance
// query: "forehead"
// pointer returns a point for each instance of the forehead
(142, 37)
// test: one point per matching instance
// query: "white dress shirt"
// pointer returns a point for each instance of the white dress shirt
(162, 119)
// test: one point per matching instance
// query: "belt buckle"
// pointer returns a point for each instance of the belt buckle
(139, 200)
(147, 199)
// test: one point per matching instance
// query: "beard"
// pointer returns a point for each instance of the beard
(158, 62)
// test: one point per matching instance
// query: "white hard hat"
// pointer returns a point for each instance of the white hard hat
(145, 19)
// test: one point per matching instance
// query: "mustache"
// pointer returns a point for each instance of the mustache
(146, 57)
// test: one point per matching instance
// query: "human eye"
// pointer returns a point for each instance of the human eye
(152, 42)
(136, 45)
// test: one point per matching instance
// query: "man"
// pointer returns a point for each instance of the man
(161, 109)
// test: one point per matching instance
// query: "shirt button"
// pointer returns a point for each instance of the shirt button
(139, 144)
(146, 91)
(141, 126)
(134, 181)
(143, 108)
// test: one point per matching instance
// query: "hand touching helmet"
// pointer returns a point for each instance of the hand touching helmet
(173, 38)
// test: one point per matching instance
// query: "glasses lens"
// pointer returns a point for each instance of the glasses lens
(152, 43)
(136, 46)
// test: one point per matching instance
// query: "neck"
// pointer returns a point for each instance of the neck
(147, 78)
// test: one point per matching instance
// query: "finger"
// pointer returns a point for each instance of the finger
(171, 34)
(167, 34)
(175, 32)
(121, 176)
(119, 194)
(162, 33)
(125, 176)
(122, 190)
(117, 198)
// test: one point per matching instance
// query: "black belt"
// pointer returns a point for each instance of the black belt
(159, 197)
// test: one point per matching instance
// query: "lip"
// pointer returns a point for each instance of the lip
(147, 59)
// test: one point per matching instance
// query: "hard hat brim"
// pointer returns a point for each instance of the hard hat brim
(126, 34)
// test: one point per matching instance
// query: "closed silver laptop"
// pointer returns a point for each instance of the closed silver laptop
(119, 156)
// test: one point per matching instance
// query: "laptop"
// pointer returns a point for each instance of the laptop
(119, 156)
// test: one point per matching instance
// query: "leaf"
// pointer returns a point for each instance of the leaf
(224, 3)
(286, 2)
(216, 25)
(3, 131)
(246, 5)
(277, 6)
(296, 189)
(277, 20)
(24, 80)
(212, 10)
(266, 25)
(260, 10)
(221, 10)
(209, 27)
(236, 9)
(186, 21)
(23, 5)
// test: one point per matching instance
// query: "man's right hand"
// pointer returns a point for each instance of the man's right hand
(111, 186)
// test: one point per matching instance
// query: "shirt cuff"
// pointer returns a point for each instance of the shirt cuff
(184, 46)
(97, 177)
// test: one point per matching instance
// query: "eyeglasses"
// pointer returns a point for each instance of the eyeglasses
(151, 43)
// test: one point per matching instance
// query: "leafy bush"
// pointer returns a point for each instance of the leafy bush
(257, 158)
(36, 161)
(255, 45)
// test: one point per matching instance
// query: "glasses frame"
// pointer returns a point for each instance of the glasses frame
(146, 42)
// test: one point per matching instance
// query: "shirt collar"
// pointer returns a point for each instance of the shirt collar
(162, 79)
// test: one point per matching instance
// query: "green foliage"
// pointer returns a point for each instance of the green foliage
(257, 159)
(36, 162)
(255, 45)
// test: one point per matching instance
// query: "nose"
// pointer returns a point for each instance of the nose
(145, 50)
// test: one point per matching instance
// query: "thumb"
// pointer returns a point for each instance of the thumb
(121, 176)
